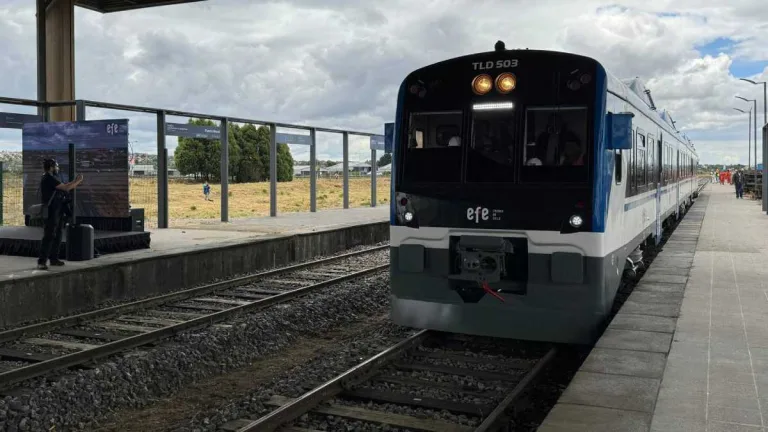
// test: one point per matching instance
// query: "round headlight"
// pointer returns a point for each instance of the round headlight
(505, 83)
(408, 216)
(482, 84)
(576, 221)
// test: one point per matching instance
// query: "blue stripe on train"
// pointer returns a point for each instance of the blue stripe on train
(604, 160)
(395, 147)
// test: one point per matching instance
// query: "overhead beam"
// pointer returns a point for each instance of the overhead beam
(112, 6)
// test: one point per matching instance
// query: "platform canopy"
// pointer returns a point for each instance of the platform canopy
(107, 6)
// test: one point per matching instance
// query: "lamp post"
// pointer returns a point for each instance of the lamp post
(749, 132)
(765, 122)
(754, 101)
(765, 98)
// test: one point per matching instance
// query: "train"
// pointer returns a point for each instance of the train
(525, 185)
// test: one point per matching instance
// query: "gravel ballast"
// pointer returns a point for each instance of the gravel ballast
(140, 378)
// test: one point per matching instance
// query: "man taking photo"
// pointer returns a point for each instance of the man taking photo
(55, 196)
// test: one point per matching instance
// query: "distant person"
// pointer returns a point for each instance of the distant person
(738, 181)
(54, 196)
(207, 191)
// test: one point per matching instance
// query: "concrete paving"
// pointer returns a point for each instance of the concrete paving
(617, 386)
(688, 351)
(208, 235)
(716, 376)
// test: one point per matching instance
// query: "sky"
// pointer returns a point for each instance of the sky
(339, 63)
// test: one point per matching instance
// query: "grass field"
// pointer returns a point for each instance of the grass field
(186, 201)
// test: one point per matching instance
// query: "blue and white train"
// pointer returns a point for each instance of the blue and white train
(525, 183)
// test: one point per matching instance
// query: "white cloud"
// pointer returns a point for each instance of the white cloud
(339, 63)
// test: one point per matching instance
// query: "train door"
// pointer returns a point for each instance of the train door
(658, 172)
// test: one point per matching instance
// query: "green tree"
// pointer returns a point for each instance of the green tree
(235, 152)
(248, 155)
(252, 144)
(284, 163)
(384, 160)
(199, 156)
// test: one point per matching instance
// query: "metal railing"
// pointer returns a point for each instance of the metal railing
(44, 109)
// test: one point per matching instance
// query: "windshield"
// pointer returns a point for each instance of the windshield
(555, 144)
(434, 148)
(491, 157)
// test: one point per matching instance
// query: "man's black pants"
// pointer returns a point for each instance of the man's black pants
(52, 232)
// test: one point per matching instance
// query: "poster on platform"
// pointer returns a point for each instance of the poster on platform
(101, 154)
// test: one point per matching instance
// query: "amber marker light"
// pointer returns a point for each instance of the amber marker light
(505, 83)
(482, 84)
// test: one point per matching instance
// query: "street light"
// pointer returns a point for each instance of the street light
(765, 98)
(765, 150)
(749, 132)
(754, 101)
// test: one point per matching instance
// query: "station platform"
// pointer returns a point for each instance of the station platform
(688, 350)
(182, 258)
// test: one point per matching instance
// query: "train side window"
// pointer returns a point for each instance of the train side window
(618, 161)
(632, 170)
(651, 164)
(640, 170)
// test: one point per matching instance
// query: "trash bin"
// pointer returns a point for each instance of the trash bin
(80, 242)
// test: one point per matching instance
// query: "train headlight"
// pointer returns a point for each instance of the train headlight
(408, 216)
(575, 221)
(482, 84)
(506, 82)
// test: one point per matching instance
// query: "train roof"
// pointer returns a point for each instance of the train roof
(633, 91)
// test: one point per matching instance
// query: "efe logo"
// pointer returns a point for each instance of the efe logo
(477, 214)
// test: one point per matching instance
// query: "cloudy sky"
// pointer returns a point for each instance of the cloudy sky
(338, 63)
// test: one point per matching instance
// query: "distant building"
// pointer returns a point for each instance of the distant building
(355, 168)
(142, 170)
(384, 170)
(304, 170)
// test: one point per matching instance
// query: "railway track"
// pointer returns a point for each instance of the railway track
(38, 349)
(448, 382)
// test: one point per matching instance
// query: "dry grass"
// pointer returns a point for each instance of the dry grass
(186, 199)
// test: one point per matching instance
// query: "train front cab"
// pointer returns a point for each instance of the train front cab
(554, 286)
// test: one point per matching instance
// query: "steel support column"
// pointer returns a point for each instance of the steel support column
(345, 169)
(162, 173)
(273, 170)
(60, 57)
(80, 110)
(312, 171)
(373, 177)
(41, 64)
(224, 170)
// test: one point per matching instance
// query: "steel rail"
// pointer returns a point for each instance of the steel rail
(497, 415)
(308, 401)
(69, 360)
(38, 328)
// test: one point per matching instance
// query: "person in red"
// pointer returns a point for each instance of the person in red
(729, 177)
(722, 177)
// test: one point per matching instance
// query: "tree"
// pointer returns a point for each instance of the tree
(385, 159)
(252, 146)
(235, 152)
(284, 163)
(199, 156)
(248, 155)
